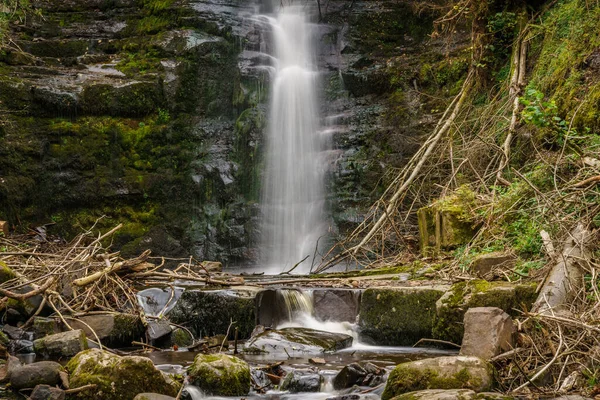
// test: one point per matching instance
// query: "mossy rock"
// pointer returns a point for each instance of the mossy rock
(399, 316)
(134, 99)
(451, 308)
(4, 340)
(64, 344)
(6, 274)
(117, 378)
(209, 313)
(220, 375)
(454, 372)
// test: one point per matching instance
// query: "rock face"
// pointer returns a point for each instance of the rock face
(298, 341)
(209, 313)
(65, 344)
(398, 316)
(456, 372)
(220, 374)
(489, 331)
(336, 304)
(39, 373)
(451, 307)
(117, 377)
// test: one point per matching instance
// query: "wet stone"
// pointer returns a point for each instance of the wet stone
(47, 392)
(39, 373)
(298, 341)
(302, 382)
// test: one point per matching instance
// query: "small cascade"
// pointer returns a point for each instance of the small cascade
(297, 303)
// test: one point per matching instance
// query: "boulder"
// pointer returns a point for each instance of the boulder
(298, 340)
(398, 316)
(209, 312)
(39, 373)
(489, 331)
(64, 344)
(220, 375)
(451, 308)
(152, 396)
(113, 329)
(47, 392)
(484, 264)
(44, 327)
(336, 304)
(356, 374)
(117, 378)
(299, 382)
(14, 333)
(453, 372)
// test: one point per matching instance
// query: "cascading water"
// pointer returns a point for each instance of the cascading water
(292, 196)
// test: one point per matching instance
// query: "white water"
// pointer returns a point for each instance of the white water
(292, 197)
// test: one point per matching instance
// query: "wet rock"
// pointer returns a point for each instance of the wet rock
(117, 377)
(220, 375)
(6, 368)
(113, 329)
(489, 331)
(455, 372)
(298, 382)
(336, 304)
(209, 313)
(260, 378)
(181, 338)
(22, 346)
(65, 344)
(130, 99)
(398, 316)
(152, 396)
(451, 308)
(298, 340)
(357, 374)
(484, 264)
(14, 333)
(47, 392)
(349, 376)
(39, 373)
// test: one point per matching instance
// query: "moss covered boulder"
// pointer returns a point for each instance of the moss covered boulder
(113, 329)
(398, 316)
(455, 372)
(451, 308)
(209, 312)
(220, 375)
(117, 378)
(298, 341)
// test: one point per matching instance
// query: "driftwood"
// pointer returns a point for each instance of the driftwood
(112, 268)
(565, 279)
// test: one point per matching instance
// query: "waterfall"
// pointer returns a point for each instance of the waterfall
(292, 196)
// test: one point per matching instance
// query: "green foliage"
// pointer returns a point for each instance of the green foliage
(139, 62)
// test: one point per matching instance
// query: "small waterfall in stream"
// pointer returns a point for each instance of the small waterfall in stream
(292, 197)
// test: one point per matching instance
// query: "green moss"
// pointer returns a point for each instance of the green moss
(6, 274)
(398, 316)
(452, 307)
(220, 374)
(4, 340)
(405, 379)
(116, 378)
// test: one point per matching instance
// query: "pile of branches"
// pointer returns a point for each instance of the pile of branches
(84, 276)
